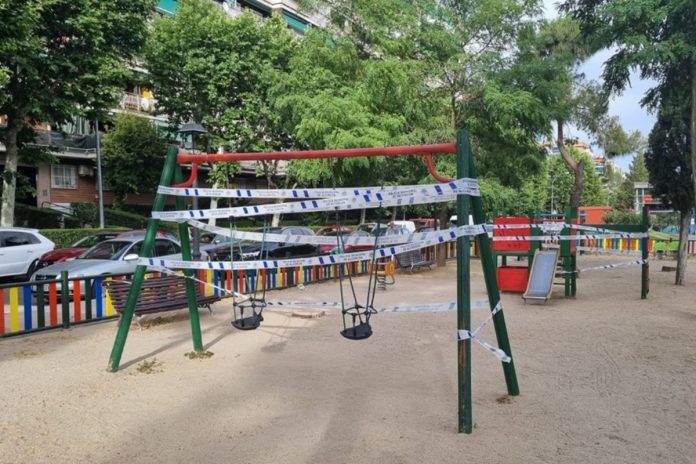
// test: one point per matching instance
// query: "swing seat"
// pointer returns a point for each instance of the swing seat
(252, 321)
(248, 323)
(358, 332)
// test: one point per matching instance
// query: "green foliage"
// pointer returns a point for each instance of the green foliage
(33, 217)
(216, 70)
(58, 59)
(132, 156)
(64, 238)
(562, 179)
(115, 217)
(622, 217)
(625, 193)
(668, 156)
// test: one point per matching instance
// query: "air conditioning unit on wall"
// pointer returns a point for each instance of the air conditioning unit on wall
(85, 171)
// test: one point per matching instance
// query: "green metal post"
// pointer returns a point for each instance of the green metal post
(645, 271)
(463, 292)
(65, 299)
(489, 276)
(146, 251)
(194, 317)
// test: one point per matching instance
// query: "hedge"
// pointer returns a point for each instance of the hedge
(39, 218)
(64, 238)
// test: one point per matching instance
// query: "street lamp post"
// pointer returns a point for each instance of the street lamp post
(192, 128)
(100, 184)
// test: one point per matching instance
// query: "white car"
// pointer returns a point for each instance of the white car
(20, 250)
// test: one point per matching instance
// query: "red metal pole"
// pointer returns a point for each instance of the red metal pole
(315, 154)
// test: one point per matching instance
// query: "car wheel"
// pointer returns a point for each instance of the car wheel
(32, 268)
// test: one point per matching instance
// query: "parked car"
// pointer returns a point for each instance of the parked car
(332, 231)
(410, 226)
(116, 256)
(423, 223)
(76, 249)
(252, 250)
(352, 248)
(20, 250)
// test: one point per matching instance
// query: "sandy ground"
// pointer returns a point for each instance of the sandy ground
(604, 378)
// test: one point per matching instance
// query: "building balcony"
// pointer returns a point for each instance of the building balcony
(138, 103)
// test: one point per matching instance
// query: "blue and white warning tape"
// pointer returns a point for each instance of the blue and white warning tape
(438, 237)
(637, 262)
(376, 200)
(513, 238)
(473, 335)
(346, 240)
(466, 186)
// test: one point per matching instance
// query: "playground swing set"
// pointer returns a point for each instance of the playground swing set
(248, 311)
(356, 316)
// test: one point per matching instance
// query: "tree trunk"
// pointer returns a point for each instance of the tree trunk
(575, 166)
(693, 127)
(394, 212)
(363, 214)
(9, 178)
(685, 221)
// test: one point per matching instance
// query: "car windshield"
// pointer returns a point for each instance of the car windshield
(390, 231)
(87, 242)
(218, 239)
(112, 249)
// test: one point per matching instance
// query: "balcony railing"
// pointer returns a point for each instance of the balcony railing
(135, 102)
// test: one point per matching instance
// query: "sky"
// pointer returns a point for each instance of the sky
(626, 106)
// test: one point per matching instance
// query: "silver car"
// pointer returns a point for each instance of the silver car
(116, 256)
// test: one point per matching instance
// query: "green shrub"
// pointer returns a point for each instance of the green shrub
(86, 213)
(65, 237)
(37, 218)
(622, 217)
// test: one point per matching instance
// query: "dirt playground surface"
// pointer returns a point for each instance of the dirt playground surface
(604, 378)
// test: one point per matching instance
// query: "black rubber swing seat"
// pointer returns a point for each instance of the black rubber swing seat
(358, 332)
(248, 323)
(252, 321)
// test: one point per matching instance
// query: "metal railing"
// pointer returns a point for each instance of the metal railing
(135, 102)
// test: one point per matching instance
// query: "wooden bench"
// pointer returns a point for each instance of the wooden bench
(160, 294)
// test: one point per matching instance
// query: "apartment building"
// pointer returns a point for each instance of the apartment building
(72, 178)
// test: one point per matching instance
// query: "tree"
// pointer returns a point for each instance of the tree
(668, 163)
(563, 180)
(637, 172)
(216, 70)
(656, 37)
(58, 59)
(133, 156)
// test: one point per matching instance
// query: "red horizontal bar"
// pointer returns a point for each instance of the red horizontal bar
(315, 154)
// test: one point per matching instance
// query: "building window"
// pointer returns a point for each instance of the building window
(63, 176)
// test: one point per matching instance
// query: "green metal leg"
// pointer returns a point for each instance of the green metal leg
(463, 293)
(492, 284)
(645, 268)
(194, 316)
(146, 251)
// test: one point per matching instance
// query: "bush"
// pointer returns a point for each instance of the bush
(622, 217)
(65, 237)
(86, 213)
(40, 218)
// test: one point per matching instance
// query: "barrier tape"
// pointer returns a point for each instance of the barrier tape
(608, 266)
(467, 186)
(473, 335)
(328, 204)
(439, 237)
(513, 238)
(322, 240)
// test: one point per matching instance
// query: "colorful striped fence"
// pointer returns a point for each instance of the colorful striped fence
(37, 306)
(632, 244)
